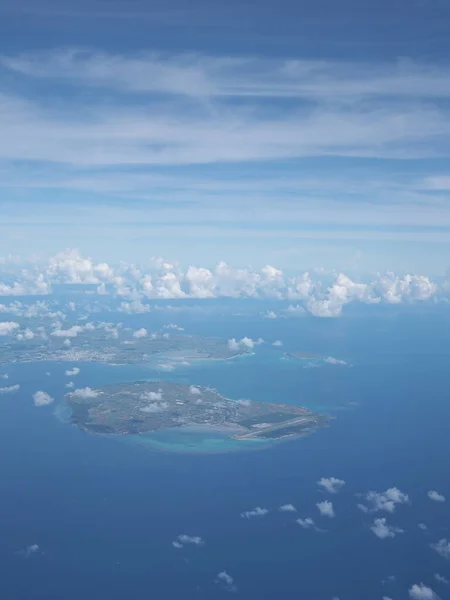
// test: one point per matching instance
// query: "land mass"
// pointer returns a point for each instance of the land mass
(143, 406)
(98, 345)
(303, 355)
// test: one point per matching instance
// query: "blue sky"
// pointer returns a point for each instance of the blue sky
(294, 134)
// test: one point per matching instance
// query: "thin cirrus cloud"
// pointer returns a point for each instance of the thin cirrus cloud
(207, 110)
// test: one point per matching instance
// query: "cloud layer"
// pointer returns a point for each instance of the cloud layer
(322, 294)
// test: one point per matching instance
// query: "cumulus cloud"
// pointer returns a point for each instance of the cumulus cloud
(224, 578)
(442, 547)
(318, 294)
(382, 530)
(29, 550)
(42, 398)
(326, 509)
(9, 389)
(270, 314)
(155, 407)
(72, 372)
(384, 501)
(153, 396)
(140, 333)
(331, 484)
(422, 526)
(195, 391)
(256, 512)
(70, 385)
(433, 495)
(245, 342)
(183, 540)
(419, 591)
(85, 393)
(27, 334)
(134, 307)
(166, 366)
(306, 523)
(71, 332)
(174, 327)
(244, 402)
(441, 578)
(287, 508)
(277, 343)
(334, 361)
(8, 327)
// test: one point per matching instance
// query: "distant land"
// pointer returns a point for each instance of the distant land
(100, 345)
(142, 407)
(303, 355)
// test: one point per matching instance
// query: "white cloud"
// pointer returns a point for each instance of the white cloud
(441, 579)
(270, 315)
(326, 508)
(287, 508)
(244, 402)
(85, 393)
(419, 591)
(433, 495)
(140, 333)
(277, 343)
(134, 307)
(10, 389)
(29, 550)
(165, 366)
(422, 526)
(224, 578)
(382, 530)
(42, 398)
(174, 327)
(384, 501)
(184, 539)
(256, 512)
(70, 385)
(334, 361)
(4, 376)
(8, 327)
(245, 342)
(154, 396)
(71, 332)
(27, 334)
(442, 547)
(331, 484)
(194, 390)
(296, 309)
(323, 294)
(155, 407)
(72, 372)
(306, 523)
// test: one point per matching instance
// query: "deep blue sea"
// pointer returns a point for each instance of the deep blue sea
(105, 512)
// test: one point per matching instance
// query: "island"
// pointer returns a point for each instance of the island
(142, 407)
(120, 346)
(303, 355)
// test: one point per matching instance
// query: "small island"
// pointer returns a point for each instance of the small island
(147, 406)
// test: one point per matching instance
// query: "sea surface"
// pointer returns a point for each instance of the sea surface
(104, 511)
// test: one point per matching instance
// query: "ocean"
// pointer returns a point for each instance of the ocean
(104, 511)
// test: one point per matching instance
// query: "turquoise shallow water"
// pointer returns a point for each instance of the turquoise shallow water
(194, 440)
